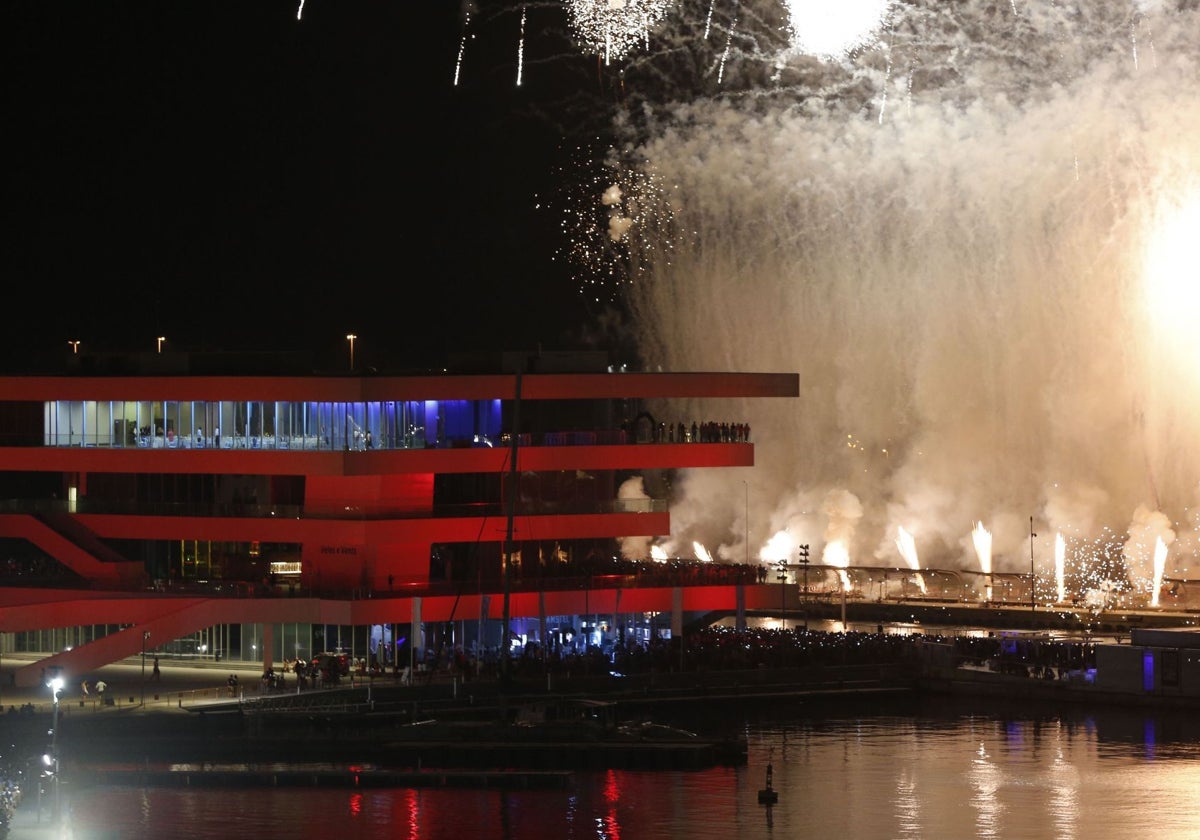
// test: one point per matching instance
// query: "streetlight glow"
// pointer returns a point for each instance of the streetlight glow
(56, 683)
(350, 337)
(74, 346)
(160, 340)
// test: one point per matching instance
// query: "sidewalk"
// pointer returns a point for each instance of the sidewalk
(26, 824)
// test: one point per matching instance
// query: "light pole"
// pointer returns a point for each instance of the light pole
(160, 341)
(746, 484)
(804, 563)
(56, 684)
(782, 577)
(1032, 574)
(145, 637)
(74, 346)
(350, 337)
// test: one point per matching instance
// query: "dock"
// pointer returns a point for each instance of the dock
(346, 777)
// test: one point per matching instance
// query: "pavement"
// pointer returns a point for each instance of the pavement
(179, 684)
(27, 824)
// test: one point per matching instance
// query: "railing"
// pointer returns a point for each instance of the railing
(251, 510)
(321, 443)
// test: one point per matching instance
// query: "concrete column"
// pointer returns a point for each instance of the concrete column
(416, 637)
(268, 647)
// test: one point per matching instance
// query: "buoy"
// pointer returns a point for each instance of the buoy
(768, 795)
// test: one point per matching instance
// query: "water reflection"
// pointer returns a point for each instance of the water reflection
(928, 771)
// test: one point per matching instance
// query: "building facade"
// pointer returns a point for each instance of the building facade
(175, 502)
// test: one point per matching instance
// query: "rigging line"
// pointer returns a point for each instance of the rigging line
(463, 580)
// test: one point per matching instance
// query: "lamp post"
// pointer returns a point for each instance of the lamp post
(746, 484)
(804, 562)
(350, 337)
(56, 684)
(145, 637)
(782, 577)
(160, 341)
(74, 346)
(1032, 574)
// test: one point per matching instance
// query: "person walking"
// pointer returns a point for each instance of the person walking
(156, 675)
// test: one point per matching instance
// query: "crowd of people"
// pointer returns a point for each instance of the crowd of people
(717, 648)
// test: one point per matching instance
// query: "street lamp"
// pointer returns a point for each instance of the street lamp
(74, 346)
(56, 684)
(782, 577)
(160, 341)
(1032, 574)
(145, 637)
(746, 485)
(350, 337)
(804, 563)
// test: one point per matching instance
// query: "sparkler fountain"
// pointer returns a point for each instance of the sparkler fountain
(982, 540)
(1160, 564)
(908, 550)
(1060, 568)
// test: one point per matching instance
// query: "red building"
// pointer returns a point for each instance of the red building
(270, 516)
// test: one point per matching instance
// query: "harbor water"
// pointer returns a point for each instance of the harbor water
(912, 768)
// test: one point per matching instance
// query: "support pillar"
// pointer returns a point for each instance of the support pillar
(268, 647)
(677, 619)
(416, 637)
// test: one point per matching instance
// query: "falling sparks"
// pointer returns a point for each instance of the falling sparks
(1060, 567)
(611, 211)
(300, 10)
(462, 47)
(521, 47)
(725, 53)
(1133, 43)
(614, 28)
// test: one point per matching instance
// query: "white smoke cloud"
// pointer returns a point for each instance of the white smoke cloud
(638, 547)
(943, 235)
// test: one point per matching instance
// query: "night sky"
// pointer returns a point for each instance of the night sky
(225, 176)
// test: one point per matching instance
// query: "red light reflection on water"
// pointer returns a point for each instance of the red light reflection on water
(612, 796)
(410, 808)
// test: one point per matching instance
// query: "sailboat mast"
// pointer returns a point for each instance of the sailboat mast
(508, 536)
